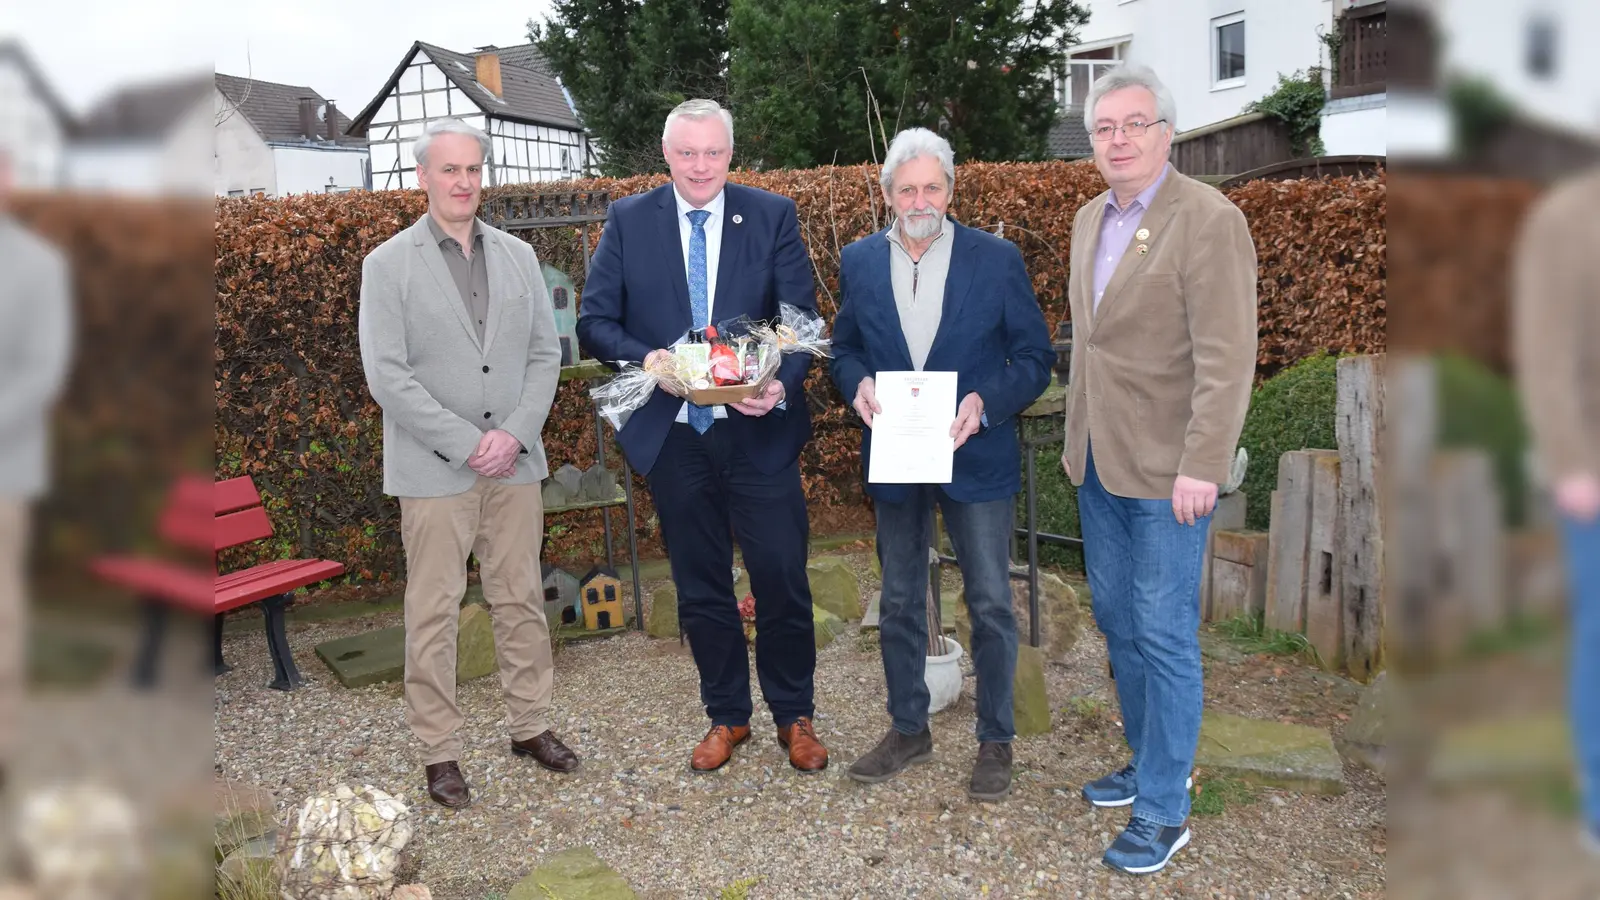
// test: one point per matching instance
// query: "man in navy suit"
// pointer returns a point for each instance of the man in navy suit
(929, 294)
(694, 252)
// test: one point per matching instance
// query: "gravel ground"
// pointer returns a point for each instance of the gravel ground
(629, 707)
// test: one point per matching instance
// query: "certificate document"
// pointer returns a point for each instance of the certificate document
(911, 442)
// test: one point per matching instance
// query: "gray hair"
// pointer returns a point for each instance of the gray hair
(1131, 75)
(915, 142)
(697, 110)
(448, 126)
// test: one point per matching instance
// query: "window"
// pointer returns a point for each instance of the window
(236, 193)
(1083, 68)
(1542, 48)
(1227, 51)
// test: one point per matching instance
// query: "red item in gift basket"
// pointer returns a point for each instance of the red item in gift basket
(725, 365)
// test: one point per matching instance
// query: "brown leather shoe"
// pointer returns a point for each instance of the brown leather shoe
(806, 753)
(548, 751)
(716, 748)
(446, 785)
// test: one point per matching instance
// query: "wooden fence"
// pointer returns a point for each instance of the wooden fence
(1232, 146)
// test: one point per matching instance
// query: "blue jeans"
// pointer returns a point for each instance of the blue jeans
(981, 534)
(1582, 545)
(1144, 574)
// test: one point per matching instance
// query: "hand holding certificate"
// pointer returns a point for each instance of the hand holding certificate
(911, 442)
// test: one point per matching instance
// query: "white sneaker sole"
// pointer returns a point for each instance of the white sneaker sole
(1179, 844)
(1113, 804)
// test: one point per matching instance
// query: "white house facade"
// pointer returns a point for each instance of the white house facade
(508, 92)
(1215, 55)
(149, 139)
(280, 139)
(35, 128)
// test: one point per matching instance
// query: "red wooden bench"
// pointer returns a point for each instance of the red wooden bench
(207, 517)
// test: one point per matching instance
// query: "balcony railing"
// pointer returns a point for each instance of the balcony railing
(1363, 65)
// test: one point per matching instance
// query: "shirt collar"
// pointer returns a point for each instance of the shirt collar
(441, 237)
(714, 207)
(1146, 196)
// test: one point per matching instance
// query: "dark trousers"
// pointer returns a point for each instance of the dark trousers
(707, 493)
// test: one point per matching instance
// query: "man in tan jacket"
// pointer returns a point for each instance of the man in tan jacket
(1163, 294)
(1556, 322)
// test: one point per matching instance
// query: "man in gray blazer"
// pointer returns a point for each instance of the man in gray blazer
(35, 352)
(459, 345)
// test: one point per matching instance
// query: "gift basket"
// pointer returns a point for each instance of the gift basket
(715, 365)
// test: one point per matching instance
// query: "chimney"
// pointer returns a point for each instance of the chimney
(333, 123)
(489, 73)
(308, 118)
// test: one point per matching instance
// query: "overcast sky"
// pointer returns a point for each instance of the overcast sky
(343, 49)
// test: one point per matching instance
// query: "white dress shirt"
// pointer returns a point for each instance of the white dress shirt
(713, 229)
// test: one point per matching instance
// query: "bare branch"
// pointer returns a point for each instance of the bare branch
(250, 83)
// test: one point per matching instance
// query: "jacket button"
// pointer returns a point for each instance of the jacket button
(486, 368)
(487, 415)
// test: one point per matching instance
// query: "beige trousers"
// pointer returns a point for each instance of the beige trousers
(14, 527)
(501, 525)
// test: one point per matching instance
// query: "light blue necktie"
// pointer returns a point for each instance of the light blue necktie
(699, 304)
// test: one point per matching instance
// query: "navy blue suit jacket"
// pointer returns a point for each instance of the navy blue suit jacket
(636, 299)
(991, 334)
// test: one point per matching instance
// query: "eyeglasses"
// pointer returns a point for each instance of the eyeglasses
(1132, 129)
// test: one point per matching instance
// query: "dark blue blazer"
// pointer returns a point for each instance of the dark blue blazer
(991, 334)
(636, 299)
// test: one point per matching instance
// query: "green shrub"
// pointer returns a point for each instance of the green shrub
(1293, 410)
(1478, 409)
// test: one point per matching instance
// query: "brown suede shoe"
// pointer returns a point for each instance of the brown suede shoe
(548, 751)
(446, 785)
(806, 753)
(716, 748)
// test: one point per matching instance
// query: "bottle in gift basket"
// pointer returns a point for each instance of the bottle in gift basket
(752, 361)
(725, 365)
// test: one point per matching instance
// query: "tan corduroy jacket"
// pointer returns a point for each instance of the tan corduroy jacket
(1556, 325)
(1161, 372)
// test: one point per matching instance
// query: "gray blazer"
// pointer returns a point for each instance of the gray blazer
(36, 322)
(440, 389)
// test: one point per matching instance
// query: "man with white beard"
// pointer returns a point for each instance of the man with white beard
(929, 294)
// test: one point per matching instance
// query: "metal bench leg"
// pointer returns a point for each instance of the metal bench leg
(285, 676)
(148, 661)
(219, 666)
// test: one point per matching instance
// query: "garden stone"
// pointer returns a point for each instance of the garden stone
(1274, 754)
(834, 587)
(1060, 617)
(1030, 702)
(663, 619)
(576, 874)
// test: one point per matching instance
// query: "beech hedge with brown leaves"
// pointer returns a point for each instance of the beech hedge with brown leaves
(293, 410)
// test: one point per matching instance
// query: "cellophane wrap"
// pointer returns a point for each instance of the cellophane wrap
(796, 330)
(635, 384)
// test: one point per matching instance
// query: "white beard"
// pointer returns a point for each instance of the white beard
(920, 228)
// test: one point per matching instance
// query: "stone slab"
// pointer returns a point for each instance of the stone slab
(834, 587)
(1506, 748)
(1274, 754)
(375, 657)
(240, 813)
(475, 654)
(869, 619)
(662, 620)
(372, 657)
(576, 874)
(1365, 738)
(827, 625)
(1030, 699)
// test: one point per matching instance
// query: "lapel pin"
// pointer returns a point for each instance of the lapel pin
(1142, 234)
(738, 219)
(1142, 249)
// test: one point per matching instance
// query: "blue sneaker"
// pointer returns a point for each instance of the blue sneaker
(1145, 847)
(1117, 789)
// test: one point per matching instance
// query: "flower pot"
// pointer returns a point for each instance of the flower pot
(943, 676)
